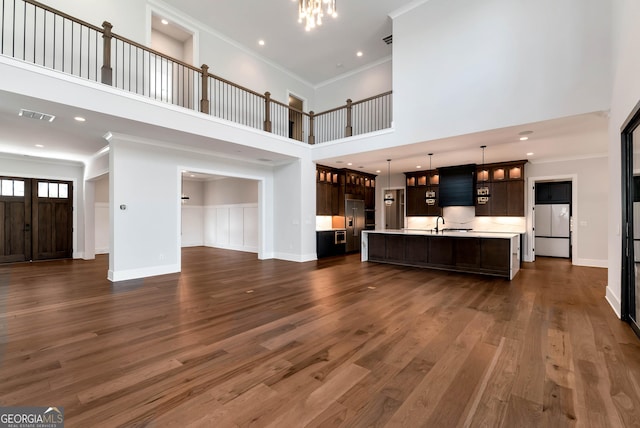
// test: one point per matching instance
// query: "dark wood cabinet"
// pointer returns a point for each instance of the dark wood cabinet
(394, 248)
(553, 193)
(416, 250)
(468, 252)
(422, 193)
(326, 245)
(334, 185)
(490, 256)
(377, 247)
(495, 254)
(441, 252)
(505, 184)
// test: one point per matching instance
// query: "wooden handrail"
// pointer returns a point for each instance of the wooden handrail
(384, 94)
(204, 75)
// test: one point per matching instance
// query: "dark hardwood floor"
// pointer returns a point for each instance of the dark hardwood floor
(234, 341)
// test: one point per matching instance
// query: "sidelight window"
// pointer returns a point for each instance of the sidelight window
(12, 188)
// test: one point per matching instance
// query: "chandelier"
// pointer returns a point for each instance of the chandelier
(312, 11)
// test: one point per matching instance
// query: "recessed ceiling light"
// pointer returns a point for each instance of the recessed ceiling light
(261, 42)
(165, 22)
(418, 166)
(80, 119)
(530, 154)
(524, 138)
(350, 164)
(378, 171)
(191, 175)
(39, 146)
(359, 53)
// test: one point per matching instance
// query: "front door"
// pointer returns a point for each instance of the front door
(37, 219)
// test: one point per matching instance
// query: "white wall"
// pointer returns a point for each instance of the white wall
(590, 213)
(145, 237)
(167, 45)
(101, 223)
(231, 215)
(626, 94)
(192, 213)
(126, 16)
(463, 66)
(295, 211)
(30, 167)
(359, 85)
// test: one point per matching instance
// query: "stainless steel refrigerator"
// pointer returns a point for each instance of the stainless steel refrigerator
(354, 222)
(552, 230)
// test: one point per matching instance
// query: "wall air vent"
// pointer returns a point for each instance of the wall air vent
(36, 115)
(388, 40)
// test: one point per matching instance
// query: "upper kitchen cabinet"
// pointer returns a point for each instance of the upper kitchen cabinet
(553, 193)
(422, 193)
(328, 183)
(500, 189)
(333, 186)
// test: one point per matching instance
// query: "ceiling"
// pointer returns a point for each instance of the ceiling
(315, 56)
(361, 25)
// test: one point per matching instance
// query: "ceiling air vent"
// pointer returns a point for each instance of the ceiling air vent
(388, 40)
(36, 115)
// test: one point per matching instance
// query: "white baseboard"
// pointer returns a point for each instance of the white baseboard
(192, 244)
(78, 255)
(299, 258)
(125, 275)
(102, 251)
(246, 249)
(591, 263)
(614, 302)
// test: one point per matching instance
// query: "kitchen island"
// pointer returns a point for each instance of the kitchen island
(489, 253)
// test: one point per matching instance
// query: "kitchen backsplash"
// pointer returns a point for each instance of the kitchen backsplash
(465, 218)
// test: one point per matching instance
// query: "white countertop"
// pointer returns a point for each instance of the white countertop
(470, 234)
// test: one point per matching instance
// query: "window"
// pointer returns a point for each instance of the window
(12, 188)
(53, 190)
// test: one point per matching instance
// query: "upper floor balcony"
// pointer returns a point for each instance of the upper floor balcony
(38, 34)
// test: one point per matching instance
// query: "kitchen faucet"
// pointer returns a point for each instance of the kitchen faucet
(439, 217)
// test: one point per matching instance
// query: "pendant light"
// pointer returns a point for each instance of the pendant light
(388, 197)
(430, 195)
(483, 192)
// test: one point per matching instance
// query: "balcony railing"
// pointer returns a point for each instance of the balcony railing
(36, 33)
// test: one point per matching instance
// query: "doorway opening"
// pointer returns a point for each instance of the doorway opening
(295, 118)
(630, 298)
(394, 213)
(170, 81)
(219, 211)
(552, 216)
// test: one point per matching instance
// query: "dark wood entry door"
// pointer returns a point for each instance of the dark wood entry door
(37, 219)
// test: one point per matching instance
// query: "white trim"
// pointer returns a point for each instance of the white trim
(245, 249)
(591, 263)
(407, 8)
(246, 205)
(101, 251)
(613, 301)
(127, 274)
(299, 258)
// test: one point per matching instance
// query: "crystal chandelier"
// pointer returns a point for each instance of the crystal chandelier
(312, 11)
